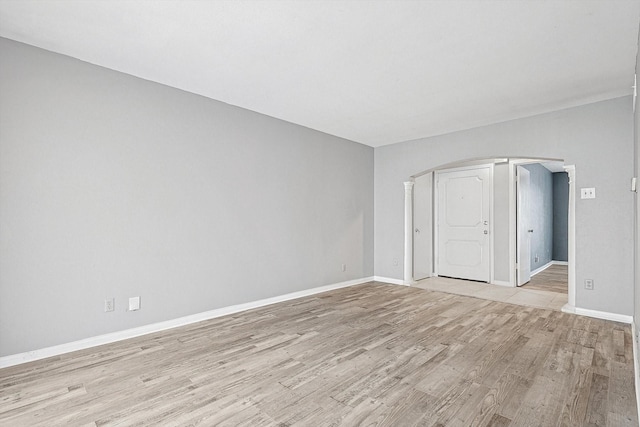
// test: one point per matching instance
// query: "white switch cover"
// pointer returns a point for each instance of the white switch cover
(587, 193)
(134, 303)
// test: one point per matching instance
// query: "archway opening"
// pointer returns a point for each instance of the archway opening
(422, 251)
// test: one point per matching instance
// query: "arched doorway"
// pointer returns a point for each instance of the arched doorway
(421, 252)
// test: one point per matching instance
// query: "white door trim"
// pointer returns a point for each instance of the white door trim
(571, 225)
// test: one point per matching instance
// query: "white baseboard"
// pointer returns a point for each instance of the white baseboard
(390, 280)
(547, 265)
(541, 269)
(605, 315)
(502, 283)
(16, 359)
(636, 371)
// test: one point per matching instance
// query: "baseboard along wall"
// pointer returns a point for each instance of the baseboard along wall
(57, 350)
(547, 265)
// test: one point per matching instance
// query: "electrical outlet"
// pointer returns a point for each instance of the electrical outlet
(588, 284)
(109, 304)
(536, 259)
(344, 267)
(587, 193)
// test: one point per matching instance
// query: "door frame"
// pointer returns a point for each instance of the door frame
(571, 225)
(435, 233)
(520, 235)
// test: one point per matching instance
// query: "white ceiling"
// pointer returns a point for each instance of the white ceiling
(375, 72)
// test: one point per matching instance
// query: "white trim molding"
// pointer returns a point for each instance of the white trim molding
(391, 281)
(502, 283)
(30, 356)
(636, 371)
(541, 269)
(605, 315)
(571, 226)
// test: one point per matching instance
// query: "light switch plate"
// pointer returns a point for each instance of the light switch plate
(134, 303)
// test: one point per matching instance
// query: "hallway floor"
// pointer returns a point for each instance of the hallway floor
(553, 279)
(542, 292)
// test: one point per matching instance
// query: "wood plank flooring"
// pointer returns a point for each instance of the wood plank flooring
(553, 279)
(372, 354)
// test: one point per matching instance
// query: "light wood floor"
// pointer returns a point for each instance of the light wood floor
(553, 279)
(372, 354)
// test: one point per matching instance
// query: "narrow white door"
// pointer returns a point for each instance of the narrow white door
(423, 226)
(464, 210)
(523, 235)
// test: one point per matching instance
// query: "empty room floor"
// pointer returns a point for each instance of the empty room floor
(376, 354)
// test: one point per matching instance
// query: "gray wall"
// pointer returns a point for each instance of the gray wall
(560, 216)
(115, 186)
(596, 138)
(501, 222)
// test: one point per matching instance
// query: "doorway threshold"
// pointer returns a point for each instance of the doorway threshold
(530, 298)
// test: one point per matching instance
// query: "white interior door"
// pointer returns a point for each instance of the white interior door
(523, 234)
(423, 226)
(463, 223)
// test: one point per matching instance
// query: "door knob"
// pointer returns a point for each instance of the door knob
(530, 231)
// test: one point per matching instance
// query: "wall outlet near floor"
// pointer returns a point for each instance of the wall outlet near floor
(344, 267)
(134, 303)
(536, 259)
(587, 193)
(588, 284)
(109, 304)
